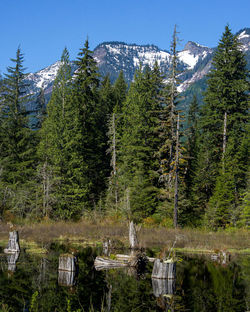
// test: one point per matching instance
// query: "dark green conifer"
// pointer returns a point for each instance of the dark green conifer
(17, 143)
(223, 128)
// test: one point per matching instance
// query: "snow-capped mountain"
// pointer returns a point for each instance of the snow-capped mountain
(244, 38)
(112, 57)
(115, 56)
(43, 78)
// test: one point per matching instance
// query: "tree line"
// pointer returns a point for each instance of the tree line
(128, 150)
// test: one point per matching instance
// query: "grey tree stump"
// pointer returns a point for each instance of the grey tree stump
(67, 262)
(164, 269)
(133, 241)
(13, 244)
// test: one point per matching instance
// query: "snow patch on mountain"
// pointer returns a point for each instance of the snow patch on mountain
(44, 77)
(243, 35)
(244, 39)
(188, 58)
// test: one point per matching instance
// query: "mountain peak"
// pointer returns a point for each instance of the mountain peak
(195, 48)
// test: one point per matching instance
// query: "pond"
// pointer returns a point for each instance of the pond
(33, 283)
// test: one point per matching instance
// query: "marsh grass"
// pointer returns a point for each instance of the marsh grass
(87, 232)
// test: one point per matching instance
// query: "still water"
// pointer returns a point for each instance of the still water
(33, 283)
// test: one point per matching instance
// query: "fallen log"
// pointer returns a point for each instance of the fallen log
(128, 258)
(103, 263)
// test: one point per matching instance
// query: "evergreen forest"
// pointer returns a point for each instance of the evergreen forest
(128, 151)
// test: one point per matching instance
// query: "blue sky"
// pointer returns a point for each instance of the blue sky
(43, 28)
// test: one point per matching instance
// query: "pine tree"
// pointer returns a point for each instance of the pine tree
(189, 210)
(40, 109)
(119, 92)
(223, 126)
(17, 144)
(85, 136)
(53, 160)
(137, 161)
(170, 141)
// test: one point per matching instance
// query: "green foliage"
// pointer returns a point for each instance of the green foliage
(17, 144)
(33, 303)
(222, 161)
(137, 162)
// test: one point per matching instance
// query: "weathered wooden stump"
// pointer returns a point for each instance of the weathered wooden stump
(12, 259)
(67, 262)
(133, 241)
(164, 269)
(66, 278)
(13, 244)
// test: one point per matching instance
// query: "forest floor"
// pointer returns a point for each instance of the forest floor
(38, 237)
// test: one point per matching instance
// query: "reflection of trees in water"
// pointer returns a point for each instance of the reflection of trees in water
(200, 286)
(206, 286)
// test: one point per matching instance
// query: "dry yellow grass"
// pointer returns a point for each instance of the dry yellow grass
(86, 232)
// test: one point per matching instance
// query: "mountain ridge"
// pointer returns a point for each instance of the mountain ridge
(114, 56)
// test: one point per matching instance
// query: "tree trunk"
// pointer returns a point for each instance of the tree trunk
(176, 175)
(133, 241)
(224, 141)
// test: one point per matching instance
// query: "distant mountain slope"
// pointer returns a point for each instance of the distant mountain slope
(112, 57)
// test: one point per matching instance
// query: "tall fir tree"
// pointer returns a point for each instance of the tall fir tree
(52, 170)
(137, 161)
(85, 135)
(190, 213)
(17, 140)
(119, 92)
(40, 109)
(169, 133)
(222, 161)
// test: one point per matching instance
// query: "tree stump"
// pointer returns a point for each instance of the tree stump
(67, 262)
(13, 244)
(133, 241)
(164, 269)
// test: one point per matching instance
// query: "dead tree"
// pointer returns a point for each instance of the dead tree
(133, 241)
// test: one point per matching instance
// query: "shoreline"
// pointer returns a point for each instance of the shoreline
(36, 238)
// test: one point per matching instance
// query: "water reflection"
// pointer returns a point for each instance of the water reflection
(162, 287)
(66, 278)
(12, 260)
(200, 285)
